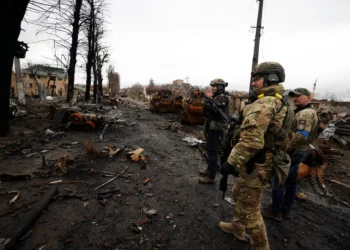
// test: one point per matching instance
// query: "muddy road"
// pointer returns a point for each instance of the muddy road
(170, 211)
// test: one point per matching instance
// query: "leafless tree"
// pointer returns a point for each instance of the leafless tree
(101, 58)
(96, 53)
(113, 81)
(330, 96)
(33, 70)
(62, 20)
(136, 92)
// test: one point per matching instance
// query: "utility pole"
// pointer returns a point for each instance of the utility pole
(20, 85)
(314, 90)
(258, 28)
(187, 78)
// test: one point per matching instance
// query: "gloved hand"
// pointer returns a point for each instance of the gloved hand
(227, 169)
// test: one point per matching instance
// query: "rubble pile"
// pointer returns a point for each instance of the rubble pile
(338, 130)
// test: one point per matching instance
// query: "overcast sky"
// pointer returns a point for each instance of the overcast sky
(205, 39)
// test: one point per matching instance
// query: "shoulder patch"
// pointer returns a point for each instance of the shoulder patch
(301, 125)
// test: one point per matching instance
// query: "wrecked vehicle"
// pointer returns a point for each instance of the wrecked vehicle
(163, 101)
(338, 130)
(192, 108)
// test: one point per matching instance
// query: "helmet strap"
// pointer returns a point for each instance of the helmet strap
(271, 79)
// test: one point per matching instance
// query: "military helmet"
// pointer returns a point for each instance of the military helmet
(272, 72)
(219, 82)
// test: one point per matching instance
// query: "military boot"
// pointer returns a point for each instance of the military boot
(203, 172)
(206, 180)
(267, 213)
(230, 228)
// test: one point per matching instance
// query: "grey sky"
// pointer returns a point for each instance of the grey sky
(206, 39)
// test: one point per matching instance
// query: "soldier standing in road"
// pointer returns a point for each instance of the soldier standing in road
(303, 133)
(261, 137)
(214, 128)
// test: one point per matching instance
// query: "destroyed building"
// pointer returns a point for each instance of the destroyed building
(54, 79)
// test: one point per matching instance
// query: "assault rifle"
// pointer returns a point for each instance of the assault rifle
(215, 108)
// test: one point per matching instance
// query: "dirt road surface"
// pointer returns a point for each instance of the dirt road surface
(171, 211)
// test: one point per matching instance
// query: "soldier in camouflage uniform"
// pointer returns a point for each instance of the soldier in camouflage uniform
(303, 132)
(266, 113)
(214, 129)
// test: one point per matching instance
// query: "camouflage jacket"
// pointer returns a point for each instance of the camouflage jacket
(304, 128)
(257, 117)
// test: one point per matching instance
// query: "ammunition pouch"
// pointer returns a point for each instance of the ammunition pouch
(281, 166)
(220, 127)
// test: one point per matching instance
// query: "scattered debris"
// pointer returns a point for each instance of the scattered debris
(145, 182)
(338, 130)
(13, 200)
(20, 113)
(301, 196)
(137, 155)
(62, 164)
(230, 200)
(339, 183)
(49, 134)
(151, 212)
(135, 228)
(112, 178)
(174, 126)
(169, 218)
(103, 131)
(192, 141)
(18, 227)
(25, 205)
(112, 152)
(203, 151)
(67, 182)
(142, 221)
(89, 147)
(55, 182)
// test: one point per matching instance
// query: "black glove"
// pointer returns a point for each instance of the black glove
(227, 169)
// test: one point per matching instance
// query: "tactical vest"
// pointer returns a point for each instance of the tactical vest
(215, 121)
(225, 110)
(277, 138)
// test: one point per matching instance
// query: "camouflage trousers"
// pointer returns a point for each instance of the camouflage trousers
(247, 194)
